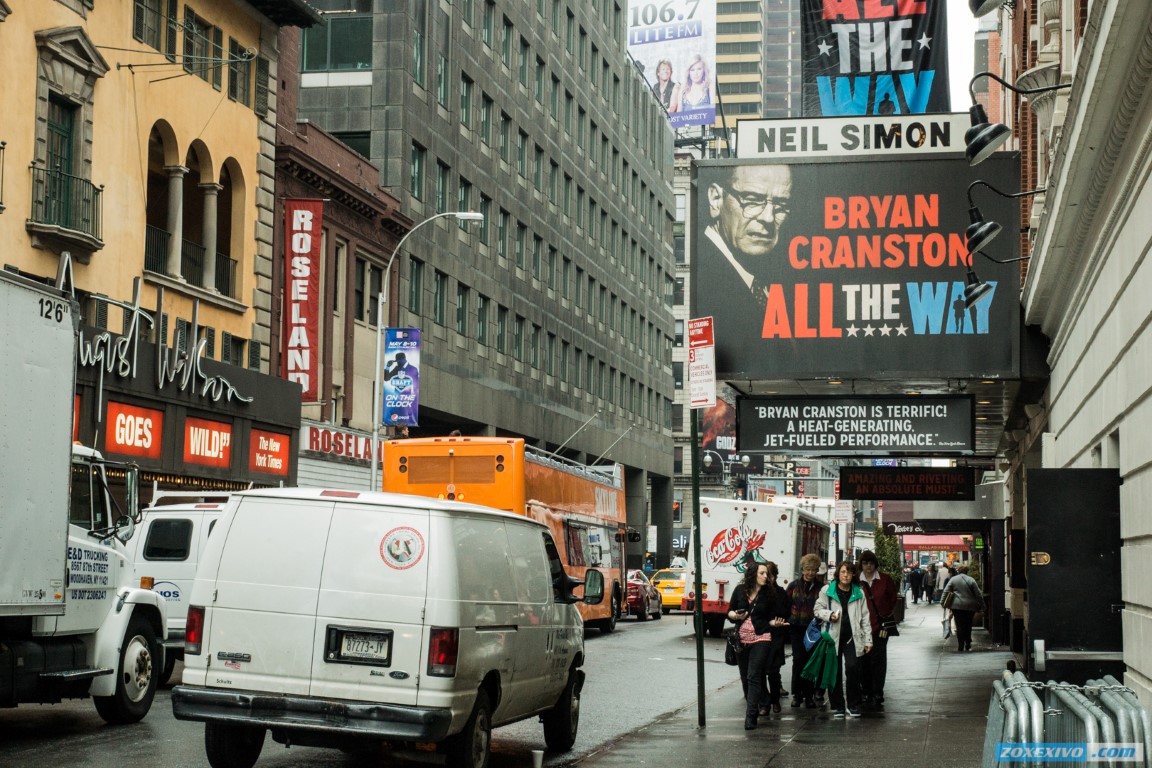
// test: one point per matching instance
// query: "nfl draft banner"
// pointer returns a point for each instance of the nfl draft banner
(401, 377)
(874, 57)
(301, 336)
(674, 42)
(853, 268)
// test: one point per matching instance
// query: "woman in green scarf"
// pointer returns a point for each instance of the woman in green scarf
(843, 607)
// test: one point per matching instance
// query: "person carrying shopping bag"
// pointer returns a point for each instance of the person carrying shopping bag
(843, 606)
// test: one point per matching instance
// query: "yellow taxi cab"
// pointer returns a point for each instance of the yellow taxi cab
(670, 583)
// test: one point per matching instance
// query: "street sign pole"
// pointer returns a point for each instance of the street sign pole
(702, 391)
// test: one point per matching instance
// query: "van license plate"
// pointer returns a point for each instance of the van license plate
(361, 645)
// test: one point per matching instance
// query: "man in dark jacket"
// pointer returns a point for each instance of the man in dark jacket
(880, 591)
(916, 582)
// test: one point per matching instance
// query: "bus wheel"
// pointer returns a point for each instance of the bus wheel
(609, 624)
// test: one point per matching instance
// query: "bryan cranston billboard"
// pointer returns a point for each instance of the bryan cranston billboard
(854, 268)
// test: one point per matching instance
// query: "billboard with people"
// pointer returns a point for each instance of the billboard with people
(674, 44)
(851, 265)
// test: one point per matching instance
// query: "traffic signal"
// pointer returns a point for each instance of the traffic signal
(677, 513)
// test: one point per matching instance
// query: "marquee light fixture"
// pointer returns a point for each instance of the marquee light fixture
(984, 138)
(979, 233)
(974, 288)
(982, 7)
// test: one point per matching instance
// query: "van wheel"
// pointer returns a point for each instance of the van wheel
(609, 624)
(232, 746)
(563, 720)
(136, 677)
(471, 747)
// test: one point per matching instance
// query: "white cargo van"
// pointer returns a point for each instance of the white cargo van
(341, 618)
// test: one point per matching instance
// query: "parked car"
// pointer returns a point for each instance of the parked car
(643, 599)
(670, 582)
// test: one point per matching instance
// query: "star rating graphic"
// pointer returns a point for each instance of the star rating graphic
(825, 49)
(885, 330)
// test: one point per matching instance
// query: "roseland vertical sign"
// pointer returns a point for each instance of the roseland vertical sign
(874, 57)
(302, 299)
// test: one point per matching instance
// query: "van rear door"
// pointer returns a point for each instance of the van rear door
(260, 626)
(370, 611)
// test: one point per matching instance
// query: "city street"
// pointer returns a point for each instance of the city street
(636, 674)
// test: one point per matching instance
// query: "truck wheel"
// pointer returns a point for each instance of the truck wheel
(232, 746)
(608, 625)
(471, 747)
(714, 625)
(136, 677)
(563, 720)
(169, 666)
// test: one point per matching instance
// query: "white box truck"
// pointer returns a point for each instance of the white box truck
(779, 531)
(71, 626)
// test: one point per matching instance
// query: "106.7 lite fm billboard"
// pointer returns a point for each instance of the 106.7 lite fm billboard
(853, 265)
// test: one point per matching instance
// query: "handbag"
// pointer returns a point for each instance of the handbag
(948, 599)
(732, 646)
(889, 627)
(812, 634)
(947, 623)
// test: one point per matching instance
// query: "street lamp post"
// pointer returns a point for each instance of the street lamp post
(726, 465)
(381, 299)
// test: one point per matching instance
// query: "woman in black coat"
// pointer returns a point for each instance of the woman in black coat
(755, 611)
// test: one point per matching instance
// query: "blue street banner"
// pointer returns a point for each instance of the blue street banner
(674, 45)
(401, 377)
(874, 57)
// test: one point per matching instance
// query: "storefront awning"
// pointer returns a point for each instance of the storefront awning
(935, 543)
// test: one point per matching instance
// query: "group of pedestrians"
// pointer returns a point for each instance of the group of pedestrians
(855, 609)
(935, 583)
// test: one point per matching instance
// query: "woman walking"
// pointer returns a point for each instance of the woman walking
(843, 606)
(752, 609)
(968, 600)
(802, 594)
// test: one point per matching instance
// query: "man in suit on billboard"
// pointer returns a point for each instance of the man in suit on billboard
(747, 206)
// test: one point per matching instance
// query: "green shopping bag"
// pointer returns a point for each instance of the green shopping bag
(823, 666)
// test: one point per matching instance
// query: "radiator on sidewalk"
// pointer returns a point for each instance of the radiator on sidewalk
(1100, 724)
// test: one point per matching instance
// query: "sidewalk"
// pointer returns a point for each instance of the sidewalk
(936, 706)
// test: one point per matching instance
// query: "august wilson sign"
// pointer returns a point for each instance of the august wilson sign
(849, 426)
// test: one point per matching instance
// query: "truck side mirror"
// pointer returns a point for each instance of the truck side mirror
(593, 587)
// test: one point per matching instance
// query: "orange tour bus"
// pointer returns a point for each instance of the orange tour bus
(583, 506)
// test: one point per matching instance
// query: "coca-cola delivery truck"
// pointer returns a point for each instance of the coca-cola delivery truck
(779, 531)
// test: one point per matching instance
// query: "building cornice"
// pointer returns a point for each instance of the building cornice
(1083, 185)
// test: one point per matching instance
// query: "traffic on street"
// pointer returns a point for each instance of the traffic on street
(656, 657)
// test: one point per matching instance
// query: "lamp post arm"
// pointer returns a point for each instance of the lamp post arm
(1003, 261)
(982, 183)
(1010, 86)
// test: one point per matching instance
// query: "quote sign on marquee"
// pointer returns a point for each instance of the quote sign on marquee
(208, 443)
(701, 363)
(268, 452)
(856, 426)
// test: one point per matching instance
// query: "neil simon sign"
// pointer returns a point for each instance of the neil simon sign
(851, 426)
(823, 266)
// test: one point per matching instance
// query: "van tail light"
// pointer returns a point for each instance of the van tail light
(194, 630)
(443, 647)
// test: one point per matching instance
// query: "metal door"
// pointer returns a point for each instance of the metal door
(1073, 567)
